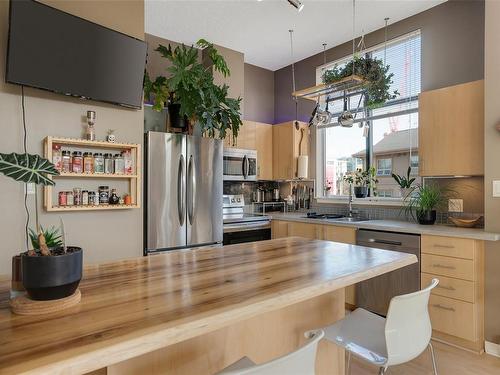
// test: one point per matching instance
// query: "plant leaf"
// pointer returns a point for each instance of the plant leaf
(28, 168)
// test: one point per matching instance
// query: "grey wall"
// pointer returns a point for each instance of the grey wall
(452, 53)
(259, 94)
(104, 235)
(491, 168)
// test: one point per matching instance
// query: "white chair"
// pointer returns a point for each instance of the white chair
(300, 362)
(401, 337)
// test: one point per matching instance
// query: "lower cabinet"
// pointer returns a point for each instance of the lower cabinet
(456, 305)
(281, 228)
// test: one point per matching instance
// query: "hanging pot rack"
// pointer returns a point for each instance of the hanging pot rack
(348, 84)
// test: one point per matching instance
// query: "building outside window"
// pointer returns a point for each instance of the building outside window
(392, 144)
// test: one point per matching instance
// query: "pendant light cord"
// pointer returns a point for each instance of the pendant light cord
(293, 80)
(25, 146)
(353, 36)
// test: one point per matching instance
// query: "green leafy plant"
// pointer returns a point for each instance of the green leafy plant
(404, 182)
(377, 76)
(53, 237)
(156, 91)
(191, 84)
(426, 198)
(362, 178)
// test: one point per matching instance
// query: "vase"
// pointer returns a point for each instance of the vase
(426, 217)
(175, 120)
(361, 191)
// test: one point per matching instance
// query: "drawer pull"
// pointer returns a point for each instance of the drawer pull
(443, 307)
(445, 246)
(446, 287)
(437, 265)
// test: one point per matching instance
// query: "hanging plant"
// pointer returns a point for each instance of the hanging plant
(373, 71)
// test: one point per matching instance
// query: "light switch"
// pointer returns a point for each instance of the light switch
(496, 189)
(456, 205)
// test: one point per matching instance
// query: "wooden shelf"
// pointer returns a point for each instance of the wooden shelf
(350, 83)
(134, 180)
(93, 208)
(95, 175)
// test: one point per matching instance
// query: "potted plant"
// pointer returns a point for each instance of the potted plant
(50, 270)
(362, 181)
(193, 97)
(405, 183)
(423, 203)
(373, 71)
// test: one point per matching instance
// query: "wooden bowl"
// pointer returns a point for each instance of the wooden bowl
(465, 223)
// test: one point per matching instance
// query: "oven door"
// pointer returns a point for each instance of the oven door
(240, 165)
(240, 233)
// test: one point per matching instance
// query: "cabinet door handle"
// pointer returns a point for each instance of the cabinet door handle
(438, 306)
(444, 246)
(446, 287)
(443, 266)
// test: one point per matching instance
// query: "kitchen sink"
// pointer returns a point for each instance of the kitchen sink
(350, 219)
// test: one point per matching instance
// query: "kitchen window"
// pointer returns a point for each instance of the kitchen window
(391, 144)
(384, 167)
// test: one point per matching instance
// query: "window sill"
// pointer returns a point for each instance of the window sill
(372, 201)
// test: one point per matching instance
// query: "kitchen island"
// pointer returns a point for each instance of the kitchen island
(195, 311)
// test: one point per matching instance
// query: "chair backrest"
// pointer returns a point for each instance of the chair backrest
(300, 362)
(408, 327)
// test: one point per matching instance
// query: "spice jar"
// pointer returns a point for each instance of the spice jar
(127, 161)
(108, 164)
(93, 198)
(66, 162)
(69, 198)
(88, 162)
(62, 198)
(103, 194)
(77, 196)
(77, 162)
(85, 198)
(114, 199)
(98, 163)
(57, 157)
(119, 164)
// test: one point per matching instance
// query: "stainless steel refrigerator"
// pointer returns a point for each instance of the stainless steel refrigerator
(183, 192)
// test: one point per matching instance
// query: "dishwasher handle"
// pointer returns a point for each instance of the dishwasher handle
(385, 242)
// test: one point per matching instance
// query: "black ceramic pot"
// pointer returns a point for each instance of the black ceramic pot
(175, 120)
(361, 191)
(52, 277)
(426, 217)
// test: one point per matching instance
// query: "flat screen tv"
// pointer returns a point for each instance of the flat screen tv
(56, 51)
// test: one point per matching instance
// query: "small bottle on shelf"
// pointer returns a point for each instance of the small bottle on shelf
(88, 163)
(113, 198)
(98, 163)
(57, 157)
(77, 162)
(108, 164)
(127, 161)
(119, 164)
(66, 162)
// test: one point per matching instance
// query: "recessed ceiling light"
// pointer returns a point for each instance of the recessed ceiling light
(296, 4)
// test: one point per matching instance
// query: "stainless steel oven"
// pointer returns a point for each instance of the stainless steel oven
(240, 164)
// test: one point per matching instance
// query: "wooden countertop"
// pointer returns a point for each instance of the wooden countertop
(135, 306)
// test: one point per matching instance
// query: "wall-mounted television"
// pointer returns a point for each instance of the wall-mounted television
(56, 51)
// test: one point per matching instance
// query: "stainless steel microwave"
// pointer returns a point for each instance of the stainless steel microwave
(240, 164)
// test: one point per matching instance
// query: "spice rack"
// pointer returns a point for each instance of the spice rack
(134, 180)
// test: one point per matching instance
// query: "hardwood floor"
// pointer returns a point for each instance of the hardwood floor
(450, 361)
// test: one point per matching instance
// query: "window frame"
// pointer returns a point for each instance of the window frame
(389, 169)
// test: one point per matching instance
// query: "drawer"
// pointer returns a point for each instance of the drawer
(448, 287)
(448, 246)
(446, 266)
(453, 317)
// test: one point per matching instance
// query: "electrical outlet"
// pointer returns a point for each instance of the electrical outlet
(30, 188)
(456, 205)
(496, 189)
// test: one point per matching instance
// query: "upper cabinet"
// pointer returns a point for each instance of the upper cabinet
(288, 144)
(451, 130)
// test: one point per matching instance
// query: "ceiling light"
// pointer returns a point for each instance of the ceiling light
(296, 4)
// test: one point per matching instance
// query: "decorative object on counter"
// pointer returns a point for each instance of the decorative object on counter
(405, 183)
(16, 285)
(192, 93)
(362, 181)
(465, 223)
(111, 137)
(425, 201)
(90, 131)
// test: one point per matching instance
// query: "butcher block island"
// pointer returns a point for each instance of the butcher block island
(195, 311)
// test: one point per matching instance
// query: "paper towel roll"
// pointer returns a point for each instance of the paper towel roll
(303, 162)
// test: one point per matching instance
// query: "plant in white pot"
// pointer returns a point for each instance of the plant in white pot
(50, 270)
(405, 183)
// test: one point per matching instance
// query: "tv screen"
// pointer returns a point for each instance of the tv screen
(56, 51)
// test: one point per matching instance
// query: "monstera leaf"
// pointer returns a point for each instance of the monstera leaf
(27, 168)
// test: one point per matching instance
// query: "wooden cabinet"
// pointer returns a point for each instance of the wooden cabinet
(451, 130)
(286, 142)
(456, 305)
(256, 136)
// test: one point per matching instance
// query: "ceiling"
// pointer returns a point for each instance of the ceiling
(259, 29)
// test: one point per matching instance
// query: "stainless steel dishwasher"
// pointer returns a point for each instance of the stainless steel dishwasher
(376, 293)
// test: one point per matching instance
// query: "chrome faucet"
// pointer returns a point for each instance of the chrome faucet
(350, 201)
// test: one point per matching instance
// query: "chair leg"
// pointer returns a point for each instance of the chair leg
(348, 366)
(381, 371)
(433, 357)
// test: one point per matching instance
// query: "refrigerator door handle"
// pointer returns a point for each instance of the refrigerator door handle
(191, 189)
(181, 188)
